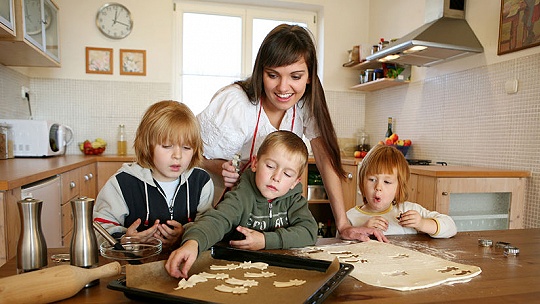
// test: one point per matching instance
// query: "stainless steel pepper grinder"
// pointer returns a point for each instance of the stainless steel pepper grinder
(32, 247)
(84, 249)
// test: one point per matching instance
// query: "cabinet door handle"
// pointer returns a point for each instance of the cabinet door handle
(90, 175)
(72, 185)
(86, 178)
(349, 176)
(445, 193)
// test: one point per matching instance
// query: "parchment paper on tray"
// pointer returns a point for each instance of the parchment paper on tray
(154, 278)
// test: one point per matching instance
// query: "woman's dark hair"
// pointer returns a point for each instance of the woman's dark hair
(285, 45)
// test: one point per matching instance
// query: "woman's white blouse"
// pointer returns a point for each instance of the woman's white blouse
(228, 124)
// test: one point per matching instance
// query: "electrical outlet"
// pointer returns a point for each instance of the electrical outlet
(24, 91)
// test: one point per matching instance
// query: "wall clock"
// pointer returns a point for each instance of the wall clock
(114, 20)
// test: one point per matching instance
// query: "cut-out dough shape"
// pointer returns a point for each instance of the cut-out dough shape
(245, 283)
(192, 281)
(448, 269)
(224, 267)
(263, 274)
(396, 273)
(257, 265)
(291, 283)
(234, 290)
(217, 276)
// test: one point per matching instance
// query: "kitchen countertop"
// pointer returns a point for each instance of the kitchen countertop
(345, 160)
(16, 172)
(465, 171)
(504, 279)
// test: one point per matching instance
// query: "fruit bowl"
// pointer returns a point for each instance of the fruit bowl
(97, 147)
(92, 151)
(402, 149)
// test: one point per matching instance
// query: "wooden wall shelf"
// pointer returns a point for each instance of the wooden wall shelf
(379, 84)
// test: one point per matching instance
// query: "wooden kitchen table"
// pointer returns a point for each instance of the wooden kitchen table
(504, 279)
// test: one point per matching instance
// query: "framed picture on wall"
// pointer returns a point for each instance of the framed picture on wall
(133, 62)
(99, 60)
(519, 26)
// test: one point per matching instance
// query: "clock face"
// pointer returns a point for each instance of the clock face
(33, 23)
(114, 21)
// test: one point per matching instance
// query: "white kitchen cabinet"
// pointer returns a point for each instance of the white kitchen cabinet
(476, 198)
(7, 24)
(36, 39)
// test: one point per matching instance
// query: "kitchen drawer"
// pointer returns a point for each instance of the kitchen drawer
(70, 184)
(88, 181)
(67, 219)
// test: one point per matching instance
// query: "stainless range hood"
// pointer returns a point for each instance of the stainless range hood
(444, 39)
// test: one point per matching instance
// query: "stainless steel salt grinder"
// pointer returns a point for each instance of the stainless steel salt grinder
(84, 249)
(32, 247)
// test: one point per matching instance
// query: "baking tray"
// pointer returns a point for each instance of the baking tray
(239, 255)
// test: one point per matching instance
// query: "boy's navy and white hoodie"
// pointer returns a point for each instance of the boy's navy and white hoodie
(133, 193)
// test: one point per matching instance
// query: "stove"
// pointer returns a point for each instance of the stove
(421, 162)
(424, 162)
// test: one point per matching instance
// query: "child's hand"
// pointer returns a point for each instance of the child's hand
(414, 220)
(229, 173)
(186, 255)
(254, 239)
(143, 235)
(169, 236)
(411, 219)
(377, 222)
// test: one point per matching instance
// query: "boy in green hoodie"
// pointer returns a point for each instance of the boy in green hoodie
(267, 207)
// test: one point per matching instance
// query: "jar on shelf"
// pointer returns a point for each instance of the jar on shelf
(378, 74)
(368, 75)
(362, 78)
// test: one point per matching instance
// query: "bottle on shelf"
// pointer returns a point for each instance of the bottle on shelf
(320, 231)
(362, 141)
(122, 141)
(389, 130)
(328, 233)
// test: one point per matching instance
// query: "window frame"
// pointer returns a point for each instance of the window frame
(247, 13)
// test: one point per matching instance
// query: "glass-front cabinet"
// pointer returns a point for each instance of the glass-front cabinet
(40, 25)
(476, 198)
(6, 18)
(35, 41)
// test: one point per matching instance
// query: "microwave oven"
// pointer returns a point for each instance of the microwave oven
(39, 138)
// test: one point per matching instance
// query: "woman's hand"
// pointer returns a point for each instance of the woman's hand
(361, 234)
(377, 222)
(254, 239)
(229, 173)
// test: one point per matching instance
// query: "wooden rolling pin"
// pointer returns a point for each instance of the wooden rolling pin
(52, 284)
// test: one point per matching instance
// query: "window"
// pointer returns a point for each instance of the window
(216, 44)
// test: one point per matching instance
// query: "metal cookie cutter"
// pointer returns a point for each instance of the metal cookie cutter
(511, 250)
(236, 162)
(485, 243)
(502, 244)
